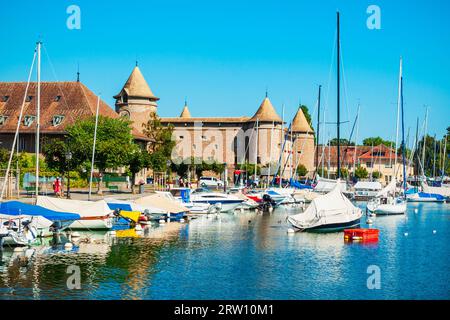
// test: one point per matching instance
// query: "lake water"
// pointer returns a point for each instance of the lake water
(244, 256)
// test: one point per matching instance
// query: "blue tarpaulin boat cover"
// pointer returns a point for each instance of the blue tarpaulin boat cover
(120, 206)
(16, 208)
(298, 185)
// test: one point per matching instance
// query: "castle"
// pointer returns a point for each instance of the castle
(231, 140)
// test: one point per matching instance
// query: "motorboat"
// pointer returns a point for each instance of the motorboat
(366, 190)
(227, 202)
(425, 197)
(329, 212)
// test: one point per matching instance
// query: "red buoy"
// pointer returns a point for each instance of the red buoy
(365, 235)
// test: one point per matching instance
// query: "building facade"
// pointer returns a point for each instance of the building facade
(261, 139)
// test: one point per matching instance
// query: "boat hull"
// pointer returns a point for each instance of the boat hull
(331, 227)
(100, 223)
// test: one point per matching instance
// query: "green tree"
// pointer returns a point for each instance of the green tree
(302, 171)
(376, 141)
(138, 159)
(376, 175)
(114, 141)
(4, 157)
(343, 142)
(361, 172)
(344, 173)
(161, 143)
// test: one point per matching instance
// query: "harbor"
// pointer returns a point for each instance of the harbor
(180, 261)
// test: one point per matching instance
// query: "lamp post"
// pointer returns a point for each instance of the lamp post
(68, 158)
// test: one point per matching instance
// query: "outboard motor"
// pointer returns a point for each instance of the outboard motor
(267, 203)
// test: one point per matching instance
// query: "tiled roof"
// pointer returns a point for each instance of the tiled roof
(300, 124)
(71, 100)
(136, 86)
(185, 113)
(363, 153)
(266, 112)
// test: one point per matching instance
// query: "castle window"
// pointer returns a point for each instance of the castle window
(29, 98)
(57, 98)
(181, 137)
(5, 98)
(28, 120)
(3, 120)
(204, 138)
(56, 121)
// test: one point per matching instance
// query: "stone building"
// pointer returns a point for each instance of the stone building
(231, 140)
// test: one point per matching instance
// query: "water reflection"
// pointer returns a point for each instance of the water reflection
(237, 256)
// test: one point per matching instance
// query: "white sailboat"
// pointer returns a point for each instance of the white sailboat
(386, 202)
(330, 212)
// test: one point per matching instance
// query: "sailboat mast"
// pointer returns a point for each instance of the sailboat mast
(256, 147)
(434, 157)
(356, 141)
(398, 117)
(338, 100)
(403, 137)
(282, 149)
(318, 128)
(93, 148)
(38, 114)
(424, 142)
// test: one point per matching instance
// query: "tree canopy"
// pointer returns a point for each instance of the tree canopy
(376, 141)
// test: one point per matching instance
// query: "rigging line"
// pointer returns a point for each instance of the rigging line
(18, 126)
(316, 107)
(330, 73)
(58, 84)
(344, 85)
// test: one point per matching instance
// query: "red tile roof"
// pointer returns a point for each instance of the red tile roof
(75, 102)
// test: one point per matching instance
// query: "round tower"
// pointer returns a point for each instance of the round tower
(136, 101)
(303, 140)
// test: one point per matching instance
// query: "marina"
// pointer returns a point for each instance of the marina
(343, 194)
(181, 260)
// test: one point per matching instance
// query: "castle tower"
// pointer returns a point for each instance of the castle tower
(136, 101)
(269, 134)
(303, 137)
(185, 113)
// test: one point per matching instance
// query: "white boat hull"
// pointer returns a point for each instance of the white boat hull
(102, 223)
(387, 209)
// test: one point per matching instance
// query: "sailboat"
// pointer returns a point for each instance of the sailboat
(332, 211)
(386, 202)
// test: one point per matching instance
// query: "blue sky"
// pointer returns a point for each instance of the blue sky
(222, 55)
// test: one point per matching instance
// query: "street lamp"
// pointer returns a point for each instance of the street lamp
(68, 158)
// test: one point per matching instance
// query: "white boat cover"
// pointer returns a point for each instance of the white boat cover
(389, 189)
(162, 202)
(368, 185)
(333, 207)
(83, 208)
(443, 191)
(326, 185)
(138, 207)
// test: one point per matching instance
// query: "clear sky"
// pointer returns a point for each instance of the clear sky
(222, 55)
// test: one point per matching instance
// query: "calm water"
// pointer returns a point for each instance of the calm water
(244, 256)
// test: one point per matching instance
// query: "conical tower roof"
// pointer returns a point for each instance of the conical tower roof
(300, 124)
(136, 86)
(266, 112)
(185, 113)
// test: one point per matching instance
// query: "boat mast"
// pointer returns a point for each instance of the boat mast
(38, 114)
(398, 116)
(424, 142)
(270, 154)
(416, 152)
(256, 148)
(93, 148)
(434, 157)
(318, 128)
(338, 101)
(403, 138)
(356, 140)
(283, 141)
